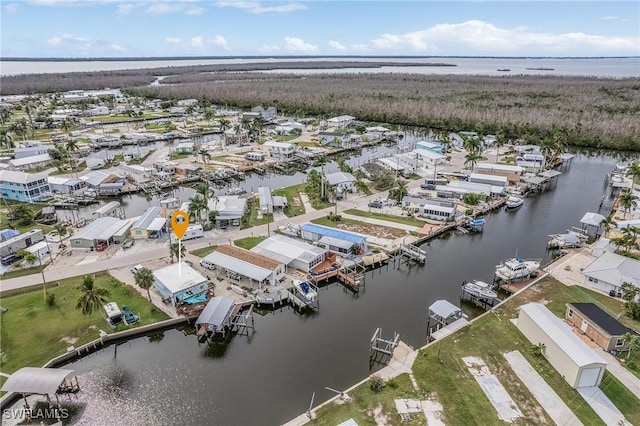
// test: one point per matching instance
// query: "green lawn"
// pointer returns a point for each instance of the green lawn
(324, 220)
(364, 401)
(388, 217)
(308, 143)
(32, 332)
(179, 155)
(251, 219)
(292, 193)
(203, 251)
(249, 242)
(286, 138)
(439, 369)
(6, 223)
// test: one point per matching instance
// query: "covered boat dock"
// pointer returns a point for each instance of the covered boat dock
(216, 316)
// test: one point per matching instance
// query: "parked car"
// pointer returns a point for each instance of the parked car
(375, 204)
(614, 293)
(136, 268)
(10, 259)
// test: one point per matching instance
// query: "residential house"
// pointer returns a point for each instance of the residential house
(488, 179)
(341, 242)
(21, 241)
(512, 173)
(238, 262)
(230, 208)
(185, 147)
(457, 189)
(136, 173)
(609, 271)
(232, 137)
(333, 139)
(180, 283)
(149, 225)
(341, 121)
(268, 113)
(392, 164)
(281, 150)
(21, 186)
(187, 102)
(288, 127)
(376, 132)
(31, 151)
(429, 157)
(101, 233)
(65, 185)
(30, 163)
(269, 202)
(187, 170)
(598, 325)
(291, 252)
(431, 209)
(433, 146)
(341, 182)
(99, 110)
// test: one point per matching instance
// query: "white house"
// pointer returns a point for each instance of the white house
(99, 110)
(29, 163)
(187, 102)
(180, 283)
(429, 157)
(341, 121)
(254, 266)
(333, 139)
(341, 181)
(392, 164)
(376, 131)
(286, 128)
(268, 113)
(31, 151)
(571, 357)
(230, 209)
(185, 147)
(291, 252)
(488, 179)
(137, 173)
(610, 270)
(65, 184)
(282, 150)
(432, 146)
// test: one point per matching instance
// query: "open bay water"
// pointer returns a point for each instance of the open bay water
(596, 67)
(268, 377)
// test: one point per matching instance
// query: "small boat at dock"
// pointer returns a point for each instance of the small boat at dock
(516, 268)
(514, 202)
(305, 290)
(239, 290)
(479, 289)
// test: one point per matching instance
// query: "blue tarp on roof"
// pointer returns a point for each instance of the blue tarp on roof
(332, 232)
(5, 234)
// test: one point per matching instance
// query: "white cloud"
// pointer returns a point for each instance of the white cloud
(196, 42)
(118, 48)
(172, 40)
(337, 46)
(483, 38)
(219, 41)
(293, 44)
(11, 7)
(67, 38)
(124, 9)
(258, 7)
(269, 48)
(163, 7)
(194, 11)
(78, 45)
(609, 18)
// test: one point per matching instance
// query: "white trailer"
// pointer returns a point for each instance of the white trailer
(192, 232)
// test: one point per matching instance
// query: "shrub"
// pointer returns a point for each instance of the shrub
(376, 383)
(51, 299)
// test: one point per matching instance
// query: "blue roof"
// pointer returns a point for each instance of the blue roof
(5, 234)
(333, 232)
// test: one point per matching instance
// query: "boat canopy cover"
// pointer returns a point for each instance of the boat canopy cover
(444, 309)
(216, 311)
(33, 380)
(593, 219)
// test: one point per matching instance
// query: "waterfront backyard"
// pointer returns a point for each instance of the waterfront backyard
(441, 374)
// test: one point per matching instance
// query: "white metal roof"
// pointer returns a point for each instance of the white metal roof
(112, 205)
(393, 164)
(30, 160)
(264, 194)
(336, 242)
(593, 219)
(428, 154)
(148, 218)
(285, 249)
(562, 335)
(36, 380)
(275, 144)
(614, 269)
(101, 229)
(444, 308)
(492, 178)
(339, 177)
(499, 167)
(240, 266)
(177, 277)
(216, 311)
(157, 224)
(20, 177)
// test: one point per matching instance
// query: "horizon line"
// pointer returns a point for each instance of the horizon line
(186, 58)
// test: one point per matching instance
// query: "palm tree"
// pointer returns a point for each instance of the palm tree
(608, 223)
(177, 251)
(629, 291)
(471, 159)
(196, 206)
(549, 149)
(473, 144)
(144, 279)
(633, 340)
(92, 297)
(634, 172)
(5, 113)
(399, 191)
(20, 128)
(628, 200)
(500, 141)
(71, 146)
(6, 140)
(61, 230)
(207, 193)
(204, 154)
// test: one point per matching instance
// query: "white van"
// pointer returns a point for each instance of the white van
(208, 265)
(136, 268)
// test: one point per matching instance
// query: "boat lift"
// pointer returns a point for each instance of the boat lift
(380, 346)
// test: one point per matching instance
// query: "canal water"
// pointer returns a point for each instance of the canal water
(268, 377)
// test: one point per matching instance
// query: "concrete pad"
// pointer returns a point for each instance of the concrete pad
(568, 268)
(401, 361)
(542, 392)
(493, 389)
(433, 412)
(603, 406)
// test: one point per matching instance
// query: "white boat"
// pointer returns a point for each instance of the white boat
(479, 289)
(239, 290)
(305, 290)
(514, 202)
(516, 268)
(559, 241)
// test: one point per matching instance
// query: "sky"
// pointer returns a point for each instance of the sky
(125, 28)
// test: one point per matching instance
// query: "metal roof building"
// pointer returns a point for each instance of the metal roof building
(248, 264)
(180, 283)
(571, 357)
(32, 380)
(105, 229)
(217, 314)
(291, 252)
(610, 270)
(598, 325)
(335, 240)
(149, 225)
